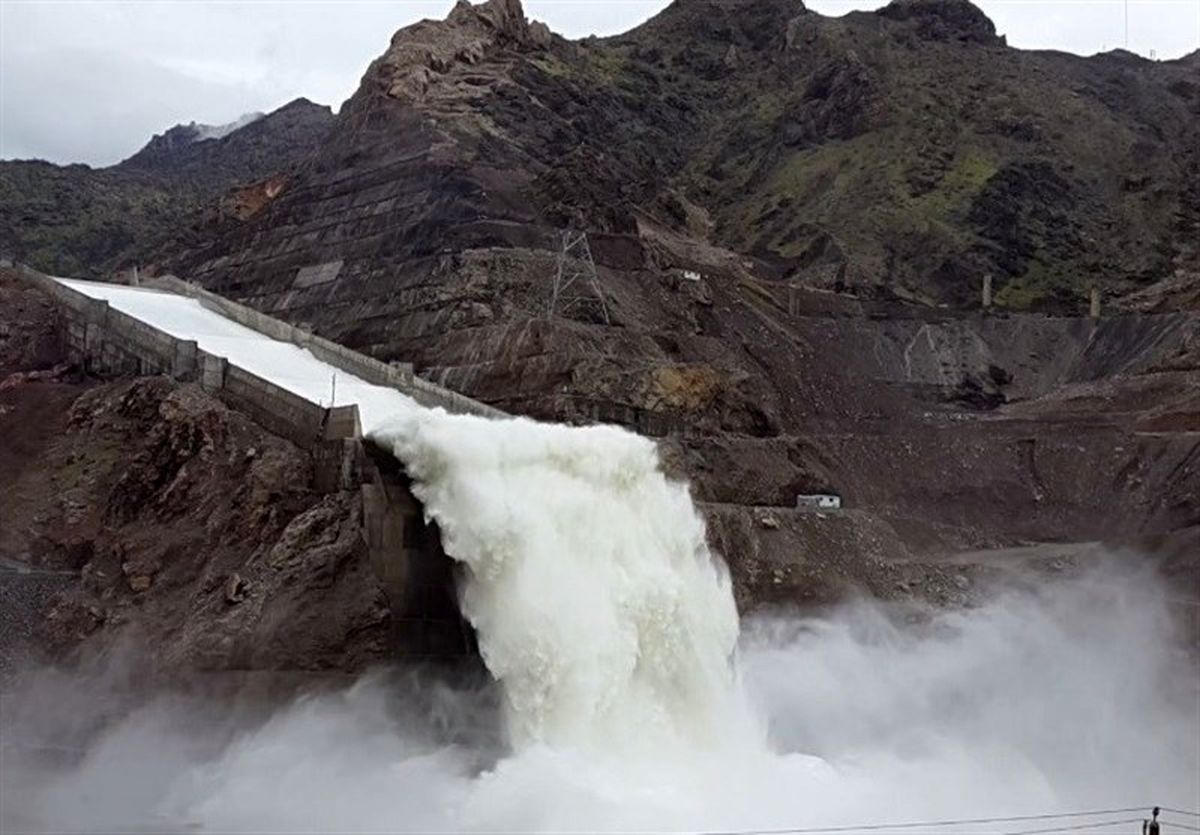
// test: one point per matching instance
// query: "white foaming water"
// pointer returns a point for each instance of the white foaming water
(598, 606)
(610, 627)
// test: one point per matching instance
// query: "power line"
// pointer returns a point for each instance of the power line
(1180, 812)
(1188, 827)
(575, 264)
(875, 827)
(1076, 827)
(916, 825)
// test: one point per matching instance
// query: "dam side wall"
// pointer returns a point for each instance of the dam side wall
(399, 376)
(404, 549)
(105, 341)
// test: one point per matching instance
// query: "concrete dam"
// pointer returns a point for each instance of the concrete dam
(313, 392)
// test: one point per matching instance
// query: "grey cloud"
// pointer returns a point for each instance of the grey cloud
(99, 106)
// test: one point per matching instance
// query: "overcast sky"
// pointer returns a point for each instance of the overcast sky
(91, 80)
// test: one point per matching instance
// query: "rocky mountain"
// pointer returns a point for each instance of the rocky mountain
(164, 149)
(905, 153)
(78, 220)
(778, 205)
(791, 217)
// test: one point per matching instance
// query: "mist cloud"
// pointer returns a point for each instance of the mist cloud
(1065, 696)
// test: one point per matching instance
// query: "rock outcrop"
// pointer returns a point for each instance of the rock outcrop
(420, 55)
(945, 20)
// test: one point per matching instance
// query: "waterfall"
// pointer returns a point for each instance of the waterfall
(598, 605)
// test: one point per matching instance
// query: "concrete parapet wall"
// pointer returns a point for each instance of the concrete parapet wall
(366, 368)
(107, 341)
(211, 371)
(434, 396)
(342, 422)
(337, 457)
(274, 408)
(153, 350)
(352, 362)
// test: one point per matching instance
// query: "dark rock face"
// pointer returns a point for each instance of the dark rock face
(755, 126)
(734, 164)
(840, 102)
(164, 147)
(838, 154)
(24, 596)
(905, 152)
(945, 20)
(193, 533)
(267, 145)
(1022, 206)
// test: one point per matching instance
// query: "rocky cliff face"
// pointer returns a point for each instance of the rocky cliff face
(194, 535)
(170, 529)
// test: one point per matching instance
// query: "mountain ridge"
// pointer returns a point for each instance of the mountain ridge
(901, 153)
(162, 145)
(905, 152)
(86, 221)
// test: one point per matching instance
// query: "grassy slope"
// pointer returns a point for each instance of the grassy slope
(863, 152)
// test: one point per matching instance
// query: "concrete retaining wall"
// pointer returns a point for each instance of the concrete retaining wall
(106, 341)
(275, 409)
(133, 347)
(397, 376)
(416, 574)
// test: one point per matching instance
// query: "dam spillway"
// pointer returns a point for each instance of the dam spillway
(585, 571)
(317, 394)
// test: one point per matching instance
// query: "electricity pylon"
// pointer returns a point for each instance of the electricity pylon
(575, 263)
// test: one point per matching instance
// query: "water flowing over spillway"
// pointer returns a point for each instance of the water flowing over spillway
(598, 606)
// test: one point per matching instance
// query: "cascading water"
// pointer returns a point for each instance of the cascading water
(597, 604)
(611, 628)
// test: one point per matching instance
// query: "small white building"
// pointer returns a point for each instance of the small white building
(691, 275)
(824, 501)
